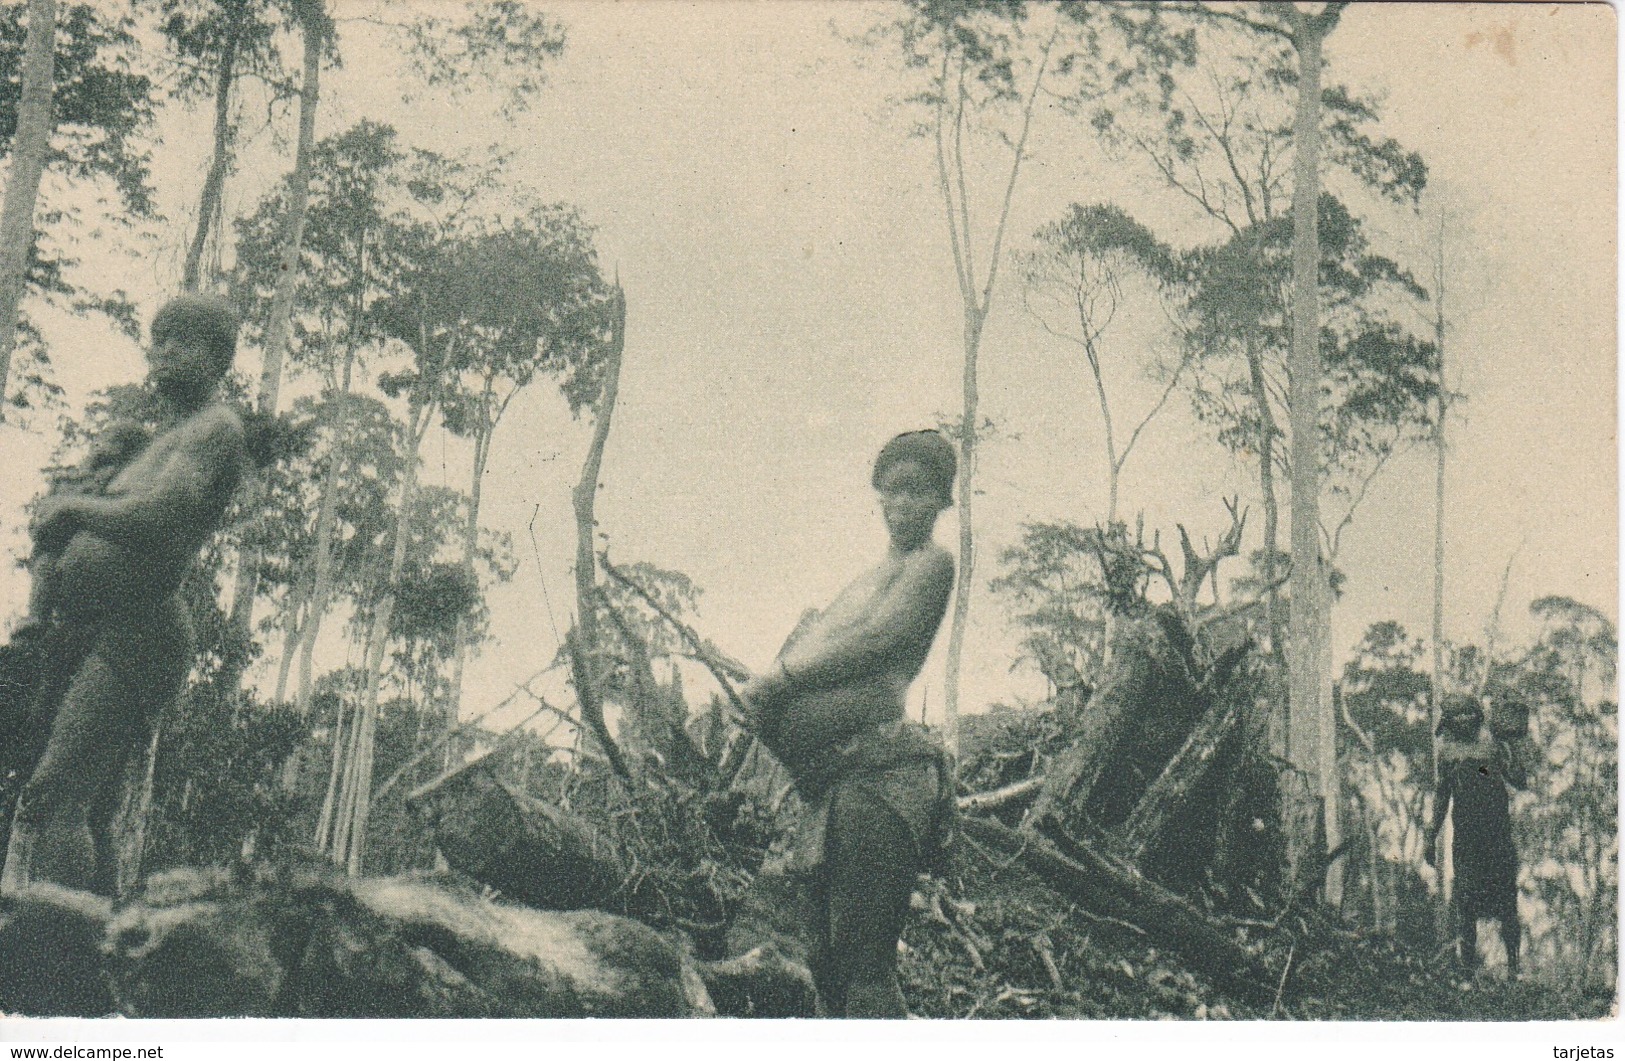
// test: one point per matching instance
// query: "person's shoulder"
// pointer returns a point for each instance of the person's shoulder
(933, 561)
(218, 424)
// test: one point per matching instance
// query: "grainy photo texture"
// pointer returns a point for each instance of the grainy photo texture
(940, 508)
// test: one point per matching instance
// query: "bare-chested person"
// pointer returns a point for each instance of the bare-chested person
(117, 642)
(830, 708)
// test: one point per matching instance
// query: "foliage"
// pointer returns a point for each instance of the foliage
(501, 42)
(205, 36)
(1380, 381)
(1386, 736)
(1053, 581)
(1568, 826)
(1213, 117)
(101, 105)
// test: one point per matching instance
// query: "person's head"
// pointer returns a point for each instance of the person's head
(1460, 717)
(914, 475)
(194, 341)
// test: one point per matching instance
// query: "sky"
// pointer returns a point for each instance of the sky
(792, 305)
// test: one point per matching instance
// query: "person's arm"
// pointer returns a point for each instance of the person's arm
(1514, 768)
(1441, 807)
(906, 615)
(188, 489)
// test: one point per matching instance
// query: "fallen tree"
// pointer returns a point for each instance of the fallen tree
(1109, 887)
(305, 942)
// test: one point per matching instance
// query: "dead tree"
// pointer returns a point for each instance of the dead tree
(1156, 683)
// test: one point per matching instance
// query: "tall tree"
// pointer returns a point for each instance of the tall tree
(94, 107)
(354, 191)
(584, 640)
(217, 44)
(981, 67)
(528, 293)
(1285, 42)
(315, 29)
(1074, 287)
(1312, 738)
(1216, 124)
(355, 798)
(29, 146)
(1439, 454)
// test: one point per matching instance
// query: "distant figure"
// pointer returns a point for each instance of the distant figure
(111, 636)
(1474, 770)
(879, 789)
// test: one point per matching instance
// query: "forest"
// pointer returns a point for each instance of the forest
(446, 665)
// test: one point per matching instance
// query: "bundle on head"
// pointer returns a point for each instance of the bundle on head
(1509, 718)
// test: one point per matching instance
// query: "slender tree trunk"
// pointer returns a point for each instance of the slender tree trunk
(1267, 430)
(1280, 715)
(30, 146)
(279, 330)
(471, 539)
(324, 820)
(967, 541)
(314, 22)
(290, 645)
(977, 301)
(1438, 499)
(350, 841)
(584, 639)
(1114, 467)
(1306, 744)
(321, 582)
(214, 184)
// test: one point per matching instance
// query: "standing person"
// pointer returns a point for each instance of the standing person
(1474, 770)
(118, 644)
(879, 790)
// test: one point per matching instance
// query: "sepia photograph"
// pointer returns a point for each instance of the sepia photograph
(1094, 513)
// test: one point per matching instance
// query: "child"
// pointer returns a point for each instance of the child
(119, 444)
(22, 660)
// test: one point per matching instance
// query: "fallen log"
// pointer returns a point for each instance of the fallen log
(529, 850)
(305, 942)
(1134, 721)
(51, 953)
(1104, 885)
(1173, 787)
(761, 983)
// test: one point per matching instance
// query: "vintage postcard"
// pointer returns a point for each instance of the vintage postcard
(1101, 515)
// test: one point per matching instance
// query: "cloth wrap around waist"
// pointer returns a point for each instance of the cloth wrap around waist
(897, 764)
(1482, 848)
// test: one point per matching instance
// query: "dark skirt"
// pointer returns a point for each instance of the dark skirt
(1485, 859)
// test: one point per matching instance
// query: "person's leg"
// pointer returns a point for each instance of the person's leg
(870, 869)
(106, 715)
(1512, 939)
(828, 969)
(50, 838)
(1468, 934)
